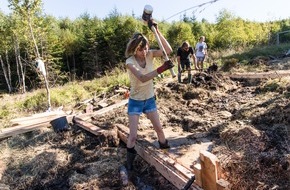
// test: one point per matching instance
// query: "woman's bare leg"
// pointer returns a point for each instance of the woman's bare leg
(133, 126)
(154, 118)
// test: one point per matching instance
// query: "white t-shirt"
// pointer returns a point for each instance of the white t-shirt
(141, 90)
(200, 49)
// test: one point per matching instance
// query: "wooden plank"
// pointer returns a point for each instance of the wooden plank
(174, 172)
(88, 116)
(223, 185)
(89, 108)
(12, 131)
(89, 126)
(37, 116)
(36, 121)
(209, 170)
(271, 74)
(27, 124)
(197, 172)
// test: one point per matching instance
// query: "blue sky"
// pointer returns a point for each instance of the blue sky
(253, 10)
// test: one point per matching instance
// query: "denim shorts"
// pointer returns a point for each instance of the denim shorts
(200, 59)
(137, 107)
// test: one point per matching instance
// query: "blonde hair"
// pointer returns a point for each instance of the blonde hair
(201, 37)
(138, 40)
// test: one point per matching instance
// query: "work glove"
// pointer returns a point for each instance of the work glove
(166, 65)
(152, 23)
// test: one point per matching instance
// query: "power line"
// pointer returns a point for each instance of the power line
(196, 6)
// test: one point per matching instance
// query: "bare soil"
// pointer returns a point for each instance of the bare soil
(247, 122)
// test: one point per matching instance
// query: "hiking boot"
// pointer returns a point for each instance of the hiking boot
(164, 145)
(179, 77)
(130, 160)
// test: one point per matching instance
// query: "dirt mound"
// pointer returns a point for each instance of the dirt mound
(249, 130)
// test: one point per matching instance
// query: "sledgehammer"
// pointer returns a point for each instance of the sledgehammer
(147, 16)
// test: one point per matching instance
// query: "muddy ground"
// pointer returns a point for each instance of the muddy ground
(246, 120)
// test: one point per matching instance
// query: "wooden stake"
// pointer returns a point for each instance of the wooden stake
(209, 170)
(197, 173)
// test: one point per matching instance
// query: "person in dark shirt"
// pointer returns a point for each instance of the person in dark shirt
(184, 55)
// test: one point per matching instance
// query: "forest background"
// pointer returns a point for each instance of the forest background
(89, 48)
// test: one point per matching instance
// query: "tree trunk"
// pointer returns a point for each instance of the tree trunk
(33, 38)
(68, 67)
(38, 56)
(5, 74)
(8, 70)
(47, 93)
(17, 64)
(22, 74)
(74, 67)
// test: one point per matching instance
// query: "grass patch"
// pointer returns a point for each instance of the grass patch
(280, 85)
(68, 95)
(4, 112)
(274, 51)
(229, 64)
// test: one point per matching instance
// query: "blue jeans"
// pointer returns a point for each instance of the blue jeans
(137, 107)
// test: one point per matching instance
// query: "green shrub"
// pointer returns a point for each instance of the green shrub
(229, 63)
(4, 112)
(35, 102)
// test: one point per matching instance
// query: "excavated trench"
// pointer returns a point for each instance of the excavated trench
(247, 126)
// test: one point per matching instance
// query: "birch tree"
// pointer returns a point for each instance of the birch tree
(29, 11)
(5, 40)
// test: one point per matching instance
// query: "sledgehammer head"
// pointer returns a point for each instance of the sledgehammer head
(147, 13)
